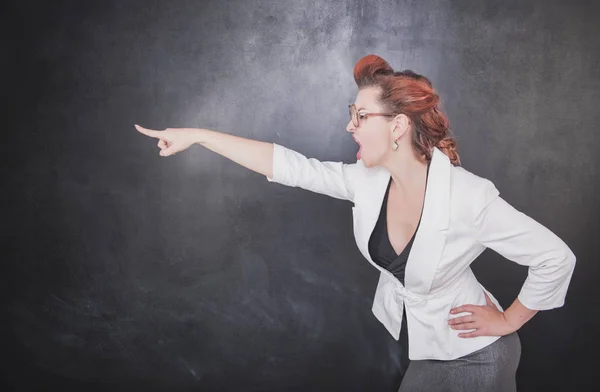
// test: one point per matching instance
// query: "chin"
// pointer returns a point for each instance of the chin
(369, 163)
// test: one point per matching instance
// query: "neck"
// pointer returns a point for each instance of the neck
(407, 170)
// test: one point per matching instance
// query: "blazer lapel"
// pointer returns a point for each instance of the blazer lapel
(430, 238)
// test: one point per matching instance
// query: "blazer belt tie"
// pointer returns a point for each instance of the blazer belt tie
(409, 296)
(413, 298)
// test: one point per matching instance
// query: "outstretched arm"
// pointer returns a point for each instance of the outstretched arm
(283, 165)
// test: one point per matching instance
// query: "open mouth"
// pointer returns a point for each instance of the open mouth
(359, 153)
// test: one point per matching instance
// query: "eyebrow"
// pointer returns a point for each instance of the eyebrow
(360, 108)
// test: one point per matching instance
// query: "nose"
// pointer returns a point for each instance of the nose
(350, 127)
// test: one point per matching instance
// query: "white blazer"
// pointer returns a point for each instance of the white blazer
(463, 215)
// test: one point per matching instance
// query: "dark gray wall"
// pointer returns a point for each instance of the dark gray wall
(123, 268)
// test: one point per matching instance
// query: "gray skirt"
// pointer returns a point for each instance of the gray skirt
(491, 369)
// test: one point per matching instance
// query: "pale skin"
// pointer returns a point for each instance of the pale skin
(406, 195)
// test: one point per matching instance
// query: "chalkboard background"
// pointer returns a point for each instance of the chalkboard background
(127, 270)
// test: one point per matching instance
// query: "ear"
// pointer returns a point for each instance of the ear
(401, 125)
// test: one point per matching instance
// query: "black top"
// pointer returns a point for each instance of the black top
(380, 247)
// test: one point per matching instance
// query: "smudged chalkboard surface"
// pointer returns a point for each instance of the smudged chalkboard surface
(128, 271)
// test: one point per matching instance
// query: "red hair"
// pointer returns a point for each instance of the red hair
(413, 95)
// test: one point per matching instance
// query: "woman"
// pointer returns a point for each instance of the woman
(421, 220)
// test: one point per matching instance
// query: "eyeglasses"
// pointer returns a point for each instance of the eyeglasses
(355, 115)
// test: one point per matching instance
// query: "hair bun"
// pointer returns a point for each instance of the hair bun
(369, 67)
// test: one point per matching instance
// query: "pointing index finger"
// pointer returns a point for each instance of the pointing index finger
(148, 132)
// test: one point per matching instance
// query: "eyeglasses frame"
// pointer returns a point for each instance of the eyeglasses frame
(366, 115)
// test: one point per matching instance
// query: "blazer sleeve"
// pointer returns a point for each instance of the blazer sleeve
(523, 240)
(335, 179)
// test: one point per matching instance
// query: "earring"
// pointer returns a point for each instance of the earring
(394, 146)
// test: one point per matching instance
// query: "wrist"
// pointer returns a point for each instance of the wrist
(511, 323)
(508, 327)
(199, 135)
(517, 314)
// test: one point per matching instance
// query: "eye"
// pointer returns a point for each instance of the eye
(362, 115)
